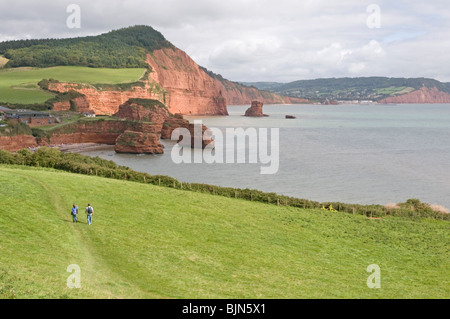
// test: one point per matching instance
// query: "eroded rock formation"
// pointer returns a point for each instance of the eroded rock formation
(178, 121)
(138, 143)
(255, 110)
(145, 110)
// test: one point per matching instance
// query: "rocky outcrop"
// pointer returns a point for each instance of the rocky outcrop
(171, 123)
(100, 132)
(424, 95)
(138, 143)
(145, 110)
(255, 110)
(17, 142)
(178, 121)
(79, 104)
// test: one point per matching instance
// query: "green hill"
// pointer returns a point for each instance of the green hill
(123, 48)
(348, 89)
(153, 242)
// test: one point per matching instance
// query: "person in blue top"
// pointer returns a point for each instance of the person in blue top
(74, 213)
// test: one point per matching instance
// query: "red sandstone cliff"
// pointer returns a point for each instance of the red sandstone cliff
(81, 104)
(190, 89)
(18, 142)
(423, 95)
(103, 102)
(176, 81)
(138, 143)
(100, 132)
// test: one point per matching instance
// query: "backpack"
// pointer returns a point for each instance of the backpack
(90, 210)
(74, 212)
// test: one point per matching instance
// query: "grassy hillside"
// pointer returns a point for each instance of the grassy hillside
(153, 242)
(20, 85)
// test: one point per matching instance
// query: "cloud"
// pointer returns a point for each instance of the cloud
(265, 40)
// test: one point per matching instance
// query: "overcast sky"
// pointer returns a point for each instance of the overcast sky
(262, 40)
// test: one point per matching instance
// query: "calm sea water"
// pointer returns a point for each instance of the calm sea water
(368, 154)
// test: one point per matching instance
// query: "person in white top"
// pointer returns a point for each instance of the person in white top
(89, 213)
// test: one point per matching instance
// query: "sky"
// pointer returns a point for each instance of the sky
(262, 40)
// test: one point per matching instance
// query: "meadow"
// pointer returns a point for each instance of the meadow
(148, 241)
(19, 85)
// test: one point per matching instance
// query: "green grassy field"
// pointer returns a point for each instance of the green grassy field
(20, 85)
(154, 242)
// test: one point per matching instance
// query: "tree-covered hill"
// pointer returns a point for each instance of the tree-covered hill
(123, 48)
(347, 89)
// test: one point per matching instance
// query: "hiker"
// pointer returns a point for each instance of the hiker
(89, 213)
(74, 213)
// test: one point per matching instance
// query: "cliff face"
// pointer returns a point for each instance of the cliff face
(18, 142)
(103, 102)
(81, 105)
(176, 81)
(190, 89)
(100, 132)
(423, 95)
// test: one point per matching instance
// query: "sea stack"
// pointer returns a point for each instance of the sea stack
(255, 109)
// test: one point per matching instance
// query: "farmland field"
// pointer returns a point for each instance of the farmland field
(20, 85)
(154, 242)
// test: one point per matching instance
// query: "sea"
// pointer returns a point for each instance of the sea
(356, 153)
